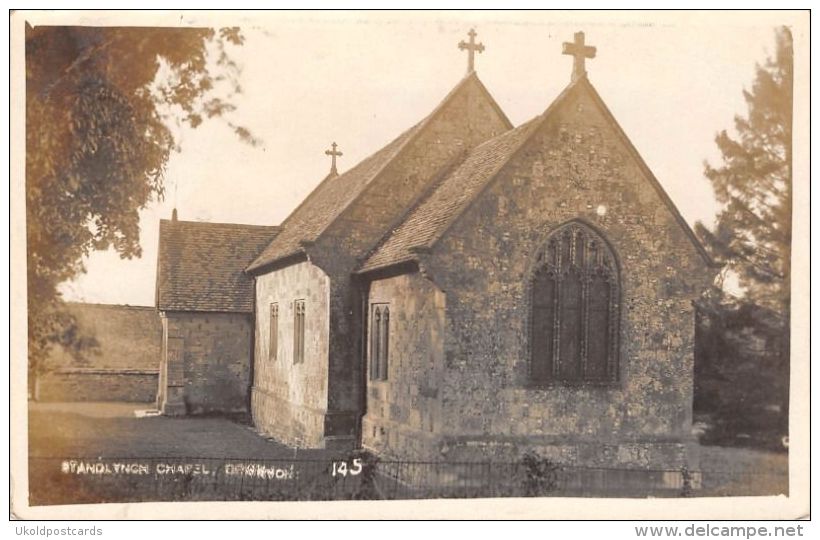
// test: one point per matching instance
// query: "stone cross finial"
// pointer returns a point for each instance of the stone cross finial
(580, 52)
(333, 153)
(471, 48)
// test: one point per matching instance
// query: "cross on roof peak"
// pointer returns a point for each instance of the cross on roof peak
(333, 153)
(580, 52)
(471, 47)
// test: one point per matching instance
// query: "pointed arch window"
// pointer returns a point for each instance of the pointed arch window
(379, 341)
(298, 331)
(273, 338)
(574, 323)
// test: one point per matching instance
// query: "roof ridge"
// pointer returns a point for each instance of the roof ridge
(253, 266)
(220, 224)
(104, 305)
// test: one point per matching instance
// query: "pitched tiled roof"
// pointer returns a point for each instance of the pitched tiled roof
(201, 265)
(430, 219)
(335, 193)
(326, 202)
(423, 224)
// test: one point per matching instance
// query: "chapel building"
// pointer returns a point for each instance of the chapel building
(473, 290)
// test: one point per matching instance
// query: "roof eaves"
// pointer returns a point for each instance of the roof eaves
(288, 259)
(184, 308)
(395, 267)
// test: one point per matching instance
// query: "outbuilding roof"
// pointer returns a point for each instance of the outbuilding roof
(201, 265)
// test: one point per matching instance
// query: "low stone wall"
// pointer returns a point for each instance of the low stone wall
(120, 361)
(77, 384)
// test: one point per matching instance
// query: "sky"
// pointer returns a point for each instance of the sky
(672, 81)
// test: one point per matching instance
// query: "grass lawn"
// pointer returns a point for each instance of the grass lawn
(744, 471)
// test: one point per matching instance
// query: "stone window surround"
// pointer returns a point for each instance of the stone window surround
(612, 378)
(379, 341)
(298, 331)
(273, 347)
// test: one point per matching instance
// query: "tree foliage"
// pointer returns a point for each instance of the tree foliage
(754, 185)
(742, 354)
(100, 105)
(741, 373)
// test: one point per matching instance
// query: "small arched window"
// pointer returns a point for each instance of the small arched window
(575, 309)
(379, 341)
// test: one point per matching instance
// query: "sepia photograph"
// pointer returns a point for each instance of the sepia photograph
(310, 256)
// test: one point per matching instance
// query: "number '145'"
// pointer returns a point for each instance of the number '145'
(343, 469)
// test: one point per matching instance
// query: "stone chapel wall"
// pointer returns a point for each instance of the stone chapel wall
(467, 119)
(402, 411)
(289, 400)
(575, 168)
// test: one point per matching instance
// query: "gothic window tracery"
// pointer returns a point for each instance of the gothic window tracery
(575, 294)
